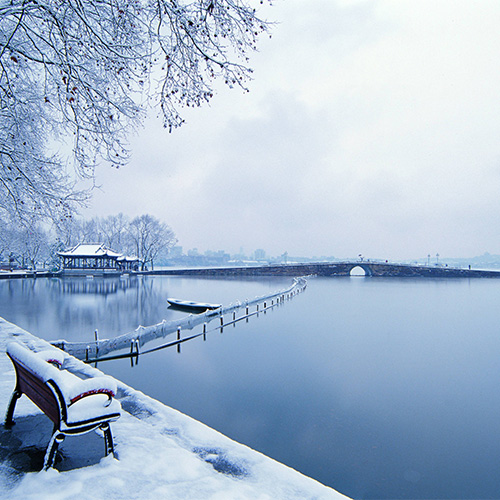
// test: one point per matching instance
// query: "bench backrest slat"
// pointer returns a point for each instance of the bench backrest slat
(36, 390)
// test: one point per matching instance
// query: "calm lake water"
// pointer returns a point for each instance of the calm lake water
(380, 388)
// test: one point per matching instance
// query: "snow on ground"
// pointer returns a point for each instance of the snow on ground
(161, 453)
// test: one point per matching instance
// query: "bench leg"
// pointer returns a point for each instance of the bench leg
(50, 454)
(9, 422)
(108, 439)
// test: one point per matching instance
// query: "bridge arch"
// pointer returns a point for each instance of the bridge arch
(360, 269)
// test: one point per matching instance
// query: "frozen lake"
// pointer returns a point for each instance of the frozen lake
(380, 388)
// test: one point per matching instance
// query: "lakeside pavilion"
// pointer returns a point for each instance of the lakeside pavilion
(97, 257)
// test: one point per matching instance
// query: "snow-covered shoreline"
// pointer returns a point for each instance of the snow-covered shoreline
(162, 453)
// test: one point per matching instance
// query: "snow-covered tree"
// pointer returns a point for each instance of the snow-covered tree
(70, 232)
(27, 244)
(113, 231)
(34, 244)
(150, 238)
(8, 241)
(87, 70)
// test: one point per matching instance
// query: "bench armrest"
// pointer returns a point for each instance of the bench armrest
(74, 388)
(52, 356)
(91, 392)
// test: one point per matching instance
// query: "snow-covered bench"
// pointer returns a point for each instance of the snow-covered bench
(76, 406)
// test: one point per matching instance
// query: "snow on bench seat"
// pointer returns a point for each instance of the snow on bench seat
(75, 405)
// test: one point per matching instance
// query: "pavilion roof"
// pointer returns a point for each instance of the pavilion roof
(89, 250)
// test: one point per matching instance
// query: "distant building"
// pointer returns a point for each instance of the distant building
(97, 257)
(259, 254)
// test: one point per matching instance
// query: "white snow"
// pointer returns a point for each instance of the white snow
(54, 356)
(37, 363)
(94, 406)
(90, 250)
(161, 453)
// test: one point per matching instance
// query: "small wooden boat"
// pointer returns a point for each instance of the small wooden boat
(191, 306)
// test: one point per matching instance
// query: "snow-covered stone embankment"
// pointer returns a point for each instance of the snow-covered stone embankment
(162, 453)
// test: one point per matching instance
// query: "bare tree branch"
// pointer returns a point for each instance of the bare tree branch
(89, 69)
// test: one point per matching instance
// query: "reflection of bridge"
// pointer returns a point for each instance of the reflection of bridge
(376, 269)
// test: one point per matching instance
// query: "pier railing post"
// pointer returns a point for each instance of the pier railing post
(96, 336)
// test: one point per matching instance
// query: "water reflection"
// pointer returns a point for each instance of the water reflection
(96, 286)
(381, 388)
(72, 308)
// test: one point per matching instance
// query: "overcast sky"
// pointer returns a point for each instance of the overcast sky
(371, 127)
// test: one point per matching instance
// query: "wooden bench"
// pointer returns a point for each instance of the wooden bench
(74, 405)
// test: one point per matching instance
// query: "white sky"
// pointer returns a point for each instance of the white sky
(371, 127)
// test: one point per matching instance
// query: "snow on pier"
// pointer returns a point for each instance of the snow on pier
(143, 334)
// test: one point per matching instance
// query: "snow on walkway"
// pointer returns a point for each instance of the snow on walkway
(162, 453)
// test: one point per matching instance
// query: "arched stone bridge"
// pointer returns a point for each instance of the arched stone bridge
(375, 269)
